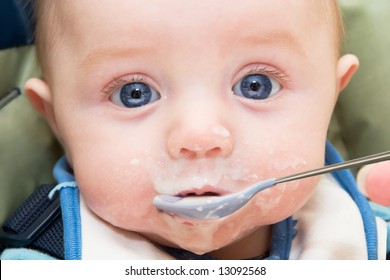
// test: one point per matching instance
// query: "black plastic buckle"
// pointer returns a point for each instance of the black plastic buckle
(25, 238)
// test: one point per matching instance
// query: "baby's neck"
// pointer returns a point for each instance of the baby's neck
(252, 246)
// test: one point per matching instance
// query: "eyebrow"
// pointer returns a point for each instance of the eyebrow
(98, 55)
(283, 38)
(253, 38)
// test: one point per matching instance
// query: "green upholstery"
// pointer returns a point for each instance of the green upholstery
(361, 123)
(27, 147)
(359, 126)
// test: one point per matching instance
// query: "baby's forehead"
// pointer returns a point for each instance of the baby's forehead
(75, 11)
(247, 12)
(69, 17)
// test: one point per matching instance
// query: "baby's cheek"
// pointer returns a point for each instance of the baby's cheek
(123, 199)
(281, 201)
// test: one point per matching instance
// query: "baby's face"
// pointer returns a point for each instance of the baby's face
(191, 98)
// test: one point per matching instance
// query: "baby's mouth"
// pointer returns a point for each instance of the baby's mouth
(203, 191)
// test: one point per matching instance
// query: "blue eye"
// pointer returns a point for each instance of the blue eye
(133, 95)
(256, 86)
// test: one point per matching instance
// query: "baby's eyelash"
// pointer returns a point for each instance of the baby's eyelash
(273, 73)
(119, 82)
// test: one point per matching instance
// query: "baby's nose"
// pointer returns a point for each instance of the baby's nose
(211, 142)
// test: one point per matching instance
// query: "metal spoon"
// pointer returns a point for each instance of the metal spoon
(215, 207)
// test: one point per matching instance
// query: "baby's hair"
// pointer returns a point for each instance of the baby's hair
(45, 34)
(332, 15)
(48, 29)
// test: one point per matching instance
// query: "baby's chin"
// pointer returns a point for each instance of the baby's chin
(202, 237)
(199, 239)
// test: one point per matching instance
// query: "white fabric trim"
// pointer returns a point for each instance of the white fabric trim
(330, 226)
(102, 241)
(382, 238)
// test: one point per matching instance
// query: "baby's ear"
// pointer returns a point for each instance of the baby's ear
(346, 67)
(40, 96)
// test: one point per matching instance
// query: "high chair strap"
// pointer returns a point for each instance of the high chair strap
(347, 181)
(36, 224)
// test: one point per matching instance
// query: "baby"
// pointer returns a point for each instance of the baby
(194, 98)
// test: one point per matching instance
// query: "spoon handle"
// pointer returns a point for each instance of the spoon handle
(335, 167)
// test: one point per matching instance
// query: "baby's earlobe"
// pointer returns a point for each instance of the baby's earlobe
(346, 68)
(40, 97)
(38, 93)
